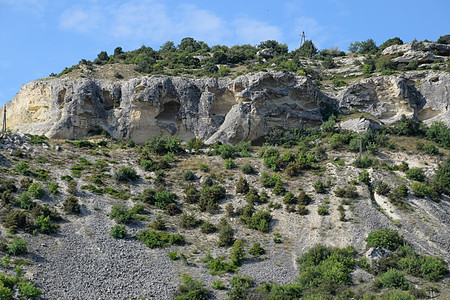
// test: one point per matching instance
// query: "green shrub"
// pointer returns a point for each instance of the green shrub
(44, 224)
(323, 268)
(247, 169)
(17, 247)
(439, 133)
(173, 255)
(415, 174)
(218, 284)
(240, 286)
(120, 214)
(226, 234)
(237, 256)
(208, 228)
(24, 201)
(252, 196)
(319, 187)
(382, 188)
(189, 221)
(260, 221)
(159, 223)
(36, 190)
(118, 231)
(392, 278)
(159, 239)
(16, 219)
(384, 238)
(347, 192)
(188, 175)
(149, 165)
(289, 199)
(71, 205)
(28, 290)
(218, 266)
(210, 196)
(323, 210)
(442, 176)
(192, 195)
(125, 174)
(163, 145)
(191, 289)
(164, 198)
(23, 168)
(279, 188)
(203, 167)
(242, 186)
(397, 295)
(428, 267)
(422, 190)
(364, 162)
(229, 164)
(269, 181)
(364, 177)
(256, 250)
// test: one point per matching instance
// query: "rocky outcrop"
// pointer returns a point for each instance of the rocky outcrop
(423, 95)
(422, 52)
(360, 125)
(211, 109)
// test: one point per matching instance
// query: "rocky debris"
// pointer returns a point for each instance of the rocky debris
(360, 125)
(15, 143)
(265, 53)
(422, 52)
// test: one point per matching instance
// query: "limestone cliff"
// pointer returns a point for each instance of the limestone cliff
(211, 109)
(224, 109)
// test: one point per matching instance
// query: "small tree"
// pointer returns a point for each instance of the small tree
(237, 254)
(226, 234)
(242, 186)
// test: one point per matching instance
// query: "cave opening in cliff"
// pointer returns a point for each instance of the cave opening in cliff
(221, 106)
(169, 112)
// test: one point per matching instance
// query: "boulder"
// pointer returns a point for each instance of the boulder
(360, 125)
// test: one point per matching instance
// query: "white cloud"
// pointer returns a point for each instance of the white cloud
(252, 31)
(153, 21)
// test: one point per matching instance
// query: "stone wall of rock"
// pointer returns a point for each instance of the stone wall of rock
(211, 109)
(219, 109)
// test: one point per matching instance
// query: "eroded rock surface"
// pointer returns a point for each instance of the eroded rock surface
(219, 109)
(161, 105)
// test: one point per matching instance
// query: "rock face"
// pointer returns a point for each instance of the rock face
(423, 95)
(422, 52)
(226, 110)
(211, 109)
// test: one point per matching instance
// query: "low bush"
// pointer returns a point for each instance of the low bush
(237, 255)
(44, 225)
(71, 205)
(364, 177)
(188, 175)
(392, 278)
(189, 221)
(17, 247)
(323, 210)
(256, 250)
(24, 201)
(191, 289)
(384, 238)
(23, 168)
(125, 174)
(36, 190)
(415, 174)
(242, 186)
(289, 199)
(118, 231)
(208, 228)
(422, 190)
(120, 214)
(226, 234)
(229, 164)
(247, 169)
(164, 198)
(347, 192)
(382, 188)
(159, 239)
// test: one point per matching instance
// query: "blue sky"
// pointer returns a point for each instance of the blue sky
(39, 37)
